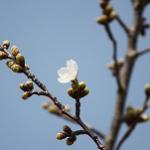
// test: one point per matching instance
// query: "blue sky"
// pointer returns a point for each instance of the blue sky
(49, 32)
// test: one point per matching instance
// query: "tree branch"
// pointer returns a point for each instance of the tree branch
(114, 43)
(133, 125)
(79, 132)
(61, 107)
(123, 25)
(97, 132)
(125, 136)
(77, 108)
(142, 52)
(125, 77)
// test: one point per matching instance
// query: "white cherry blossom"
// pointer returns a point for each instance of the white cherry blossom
(68, 73)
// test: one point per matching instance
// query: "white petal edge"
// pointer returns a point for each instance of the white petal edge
(72, 64)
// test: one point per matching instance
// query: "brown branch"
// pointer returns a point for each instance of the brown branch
(114, 43)
(125, 77)
(61, 107)
(77, 108)
(95, 131)
(133, 125)
(126, 135)
(79, 132)
(123, 25)
(142, 52)
(46, 93)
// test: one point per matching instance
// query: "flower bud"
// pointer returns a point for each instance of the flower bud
(144, 118)
(131, 111)
(16, 68)
(67, 129)
(45, 105)
(15, 50)
(70, 92)
(10, 63)
(20, 60)
(82, 85)
(66, 108)
(3, 55)
(22, 86)
(6, 44)
(61, 136)
(70, 140)
(147, 89)
(102, 19)
(135, 115)
(111, 66)
(108, 9)
(112, 15)
(103, 4)
(29, 85)
(53, 109)
(26, 95)
(130, 115)
(84, 92)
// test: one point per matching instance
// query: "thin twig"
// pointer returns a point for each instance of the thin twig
(133, 125)
(126, 135)
(61, 107)
(77, 108)
(142, 52)
(79, 132)
(122, 24)
(97, 132)
(114, 43)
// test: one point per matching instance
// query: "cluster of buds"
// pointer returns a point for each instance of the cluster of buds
(112, 67)
(53, 109)
(27, 87)
(78, 90)
(109, 14)
(17, 63)
(147, 90)
(66, 133)
(134, 115)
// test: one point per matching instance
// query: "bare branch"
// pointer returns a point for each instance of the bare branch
(142, 52)
(77, 108)
(123, 25)
(114, 43)
(61, 107)
(79, 132)
(133, 125)
(97, 132)
(125, 136)
(125, 77)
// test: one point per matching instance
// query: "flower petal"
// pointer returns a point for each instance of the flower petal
(62, 80)
(68, 73)
(72, 64)
(62, 72)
